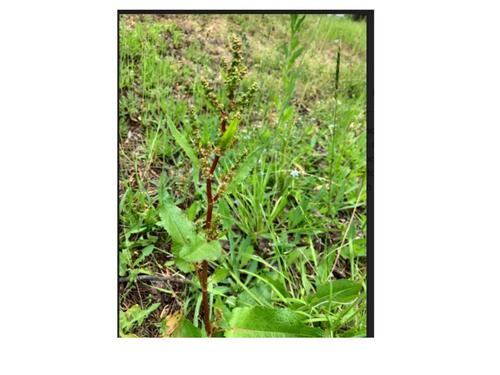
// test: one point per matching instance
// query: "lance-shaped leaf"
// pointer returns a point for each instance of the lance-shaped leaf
(339, 291)
(228, 135)
(260, 321)
(200, 250)
(183, 143)
(175, 222)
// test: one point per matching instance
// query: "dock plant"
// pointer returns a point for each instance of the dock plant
(194, 249)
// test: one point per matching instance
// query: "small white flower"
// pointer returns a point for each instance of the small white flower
(235, 202)
(294, 173)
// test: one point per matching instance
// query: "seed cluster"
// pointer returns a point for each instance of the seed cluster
(212, 97)
(236, 70)
(244, 99)
(223, 183)
(205, 151)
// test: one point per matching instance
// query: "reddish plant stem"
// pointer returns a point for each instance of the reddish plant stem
(204, 291)
(203, 275)
(210, 198)
(214, 165)
(208, 221)
(216, 197)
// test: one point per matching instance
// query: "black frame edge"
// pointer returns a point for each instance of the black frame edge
(370, 322)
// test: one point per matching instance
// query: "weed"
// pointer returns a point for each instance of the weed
(242, 190)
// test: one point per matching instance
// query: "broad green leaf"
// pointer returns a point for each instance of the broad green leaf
(182, 265)
(340, 291)
(177, 224)
(267, 322)
(187, 329)
(228, 135)
(183, 143)
(200, 250)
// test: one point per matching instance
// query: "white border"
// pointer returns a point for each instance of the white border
(436, 181)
